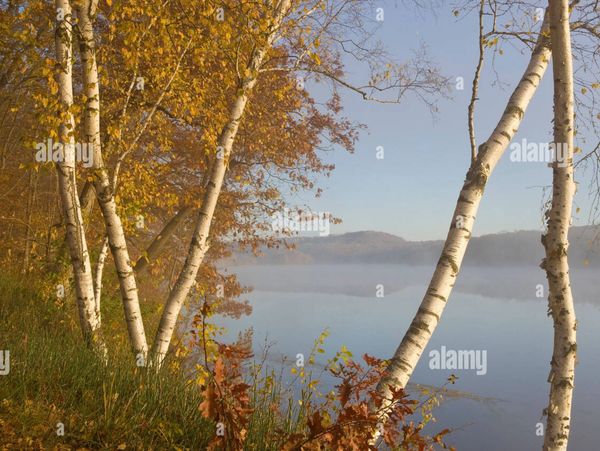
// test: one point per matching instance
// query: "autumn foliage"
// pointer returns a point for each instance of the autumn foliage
(168, 74)
(342, 419)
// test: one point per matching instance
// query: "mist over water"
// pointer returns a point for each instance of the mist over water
(491, 309)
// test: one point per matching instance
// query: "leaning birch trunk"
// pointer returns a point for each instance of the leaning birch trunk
(86, 11)
(75, 234)
(405, 359)
(199, 245)
(158, 244)
(556, 243)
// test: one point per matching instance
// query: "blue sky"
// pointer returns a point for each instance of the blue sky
(413, 190)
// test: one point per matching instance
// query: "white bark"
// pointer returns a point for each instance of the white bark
(415, 340)
(199, 245)
(556, 243)
(75, 233)
(98, 277)
(86, 11)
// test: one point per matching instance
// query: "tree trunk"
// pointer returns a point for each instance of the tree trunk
(86, 11)
(556, 243)
(199, 245)
(156, 247)
(415, 340)
(86, 198)
(98, 276)
(80, 259)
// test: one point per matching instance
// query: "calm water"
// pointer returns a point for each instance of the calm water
(292, 305)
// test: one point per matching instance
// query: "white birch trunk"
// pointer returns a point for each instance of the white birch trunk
(98, 277)
(199, 245)
(405, 359)
(86, 11)
(76, 241)
(556, 243)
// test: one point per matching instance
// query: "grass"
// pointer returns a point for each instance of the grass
(54, 379)
(56, 384)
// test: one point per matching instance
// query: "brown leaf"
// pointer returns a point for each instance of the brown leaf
(208, 405)
(344, 392)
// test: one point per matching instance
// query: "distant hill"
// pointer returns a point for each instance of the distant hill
(522, 248)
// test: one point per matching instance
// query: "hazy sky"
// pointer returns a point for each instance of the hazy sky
(413, 190)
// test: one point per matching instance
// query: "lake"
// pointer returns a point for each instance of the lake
(491, 309)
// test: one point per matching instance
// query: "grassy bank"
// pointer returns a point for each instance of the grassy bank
(55, 380)
(60, 395)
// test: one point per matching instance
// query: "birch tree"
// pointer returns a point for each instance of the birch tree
(199, 244)
(408, 353)
(310, 43)
(86, 12)
(555, 241)
(80, 259)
